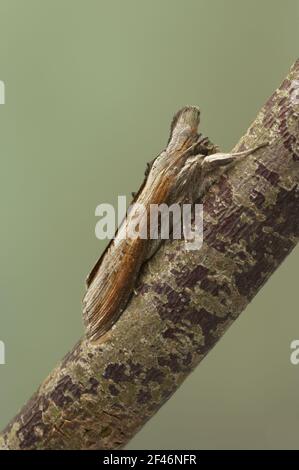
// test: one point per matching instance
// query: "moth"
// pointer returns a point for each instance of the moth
(181, 173)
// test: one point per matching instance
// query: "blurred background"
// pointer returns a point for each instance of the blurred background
(91, 87)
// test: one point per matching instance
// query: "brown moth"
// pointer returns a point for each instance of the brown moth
(182, 173)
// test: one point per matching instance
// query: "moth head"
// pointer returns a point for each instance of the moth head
(184, 125)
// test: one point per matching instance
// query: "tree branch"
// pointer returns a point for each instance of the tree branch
(99, 396)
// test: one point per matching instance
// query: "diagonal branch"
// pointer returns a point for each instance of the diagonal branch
(99, 396)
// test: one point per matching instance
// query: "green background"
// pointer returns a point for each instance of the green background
(91, 87)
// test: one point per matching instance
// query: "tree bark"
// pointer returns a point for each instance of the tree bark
(99, 396)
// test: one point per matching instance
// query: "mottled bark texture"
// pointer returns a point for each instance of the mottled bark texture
(99, 396)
